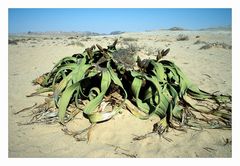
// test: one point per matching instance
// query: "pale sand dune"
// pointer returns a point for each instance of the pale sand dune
(210, 69)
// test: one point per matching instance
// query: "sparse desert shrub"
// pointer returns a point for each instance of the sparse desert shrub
(133, 47)
(76, 43)
(86, 39)
(182, 37)
(12, 42)
(216, 45)
(200, 42)
(163, 40)
(129, 39)
(197, 36)
(33, 42)
(16, 41)
(205, 47)
(29, 39)
(72, 37)
(125, 57)
(208, 45)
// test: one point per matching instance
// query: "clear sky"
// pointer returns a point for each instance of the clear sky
(106, 20)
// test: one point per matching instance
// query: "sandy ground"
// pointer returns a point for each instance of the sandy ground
(210, 69)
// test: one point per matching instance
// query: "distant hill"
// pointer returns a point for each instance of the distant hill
(176, 29)
(86, 33)
(220, 28)
(116, 32)
(72, 33)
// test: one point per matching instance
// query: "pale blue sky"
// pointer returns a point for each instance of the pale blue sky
(103, 20)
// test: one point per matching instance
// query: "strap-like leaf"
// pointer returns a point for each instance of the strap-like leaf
(64, 101)
(105, 83)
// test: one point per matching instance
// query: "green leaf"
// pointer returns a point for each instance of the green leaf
(160, 71)
(105, 83)
(65, 99)
(136, 86)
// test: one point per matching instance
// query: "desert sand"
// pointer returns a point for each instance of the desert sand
(210, 69)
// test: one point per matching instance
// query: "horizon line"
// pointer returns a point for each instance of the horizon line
(221, 27)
